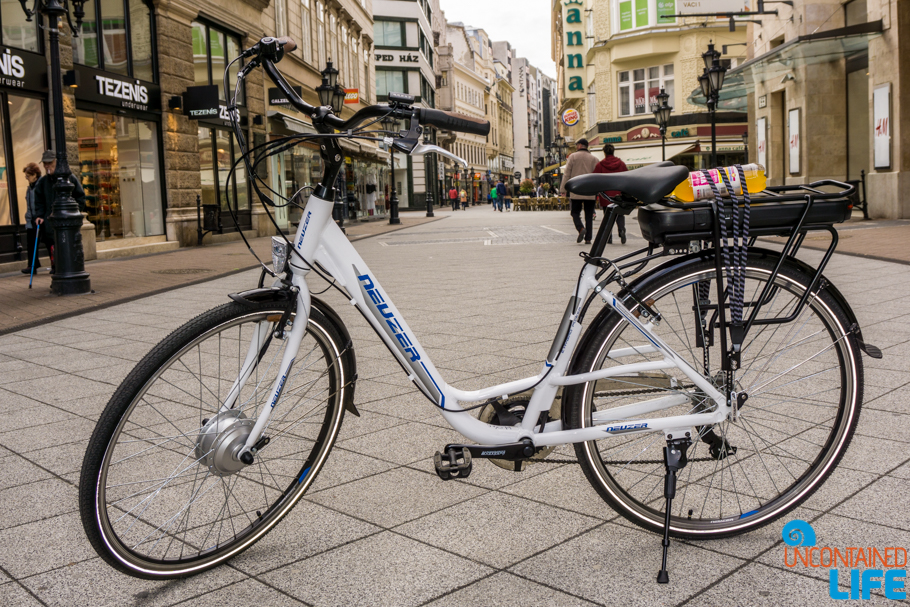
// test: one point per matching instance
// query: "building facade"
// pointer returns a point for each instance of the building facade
(823, 86)
(633, 58)
(405, 58)
(142, 160)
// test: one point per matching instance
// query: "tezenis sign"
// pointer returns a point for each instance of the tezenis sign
(574, 48)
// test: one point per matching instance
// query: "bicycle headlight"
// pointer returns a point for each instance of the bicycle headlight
(280, 250)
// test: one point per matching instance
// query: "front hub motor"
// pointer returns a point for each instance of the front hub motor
(220, 441)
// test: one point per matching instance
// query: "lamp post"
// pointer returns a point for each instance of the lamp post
(391, 124)
(430, 172)
(70, 277)
(331, 94)
(746, 147)
(711, 81)
(662, 114)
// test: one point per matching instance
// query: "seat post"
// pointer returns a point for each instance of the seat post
(606, 227)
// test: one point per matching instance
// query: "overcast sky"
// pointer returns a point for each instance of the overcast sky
(524, 23)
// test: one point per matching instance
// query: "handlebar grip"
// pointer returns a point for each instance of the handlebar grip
(287, 44)
(453, 121)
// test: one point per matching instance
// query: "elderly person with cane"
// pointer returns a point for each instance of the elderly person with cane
(44, 194)
(33, 221)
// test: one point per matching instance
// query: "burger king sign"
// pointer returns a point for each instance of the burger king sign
(570, 117)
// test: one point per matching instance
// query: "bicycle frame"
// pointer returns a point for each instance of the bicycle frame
(319, 239)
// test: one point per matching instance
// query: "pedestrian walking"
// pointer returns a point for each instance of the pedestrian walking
(612, 164)
(580, 162)
(453, 198)
(34, 234)
(463, 196)
(44, 195)
(494, 194)
(500, 194)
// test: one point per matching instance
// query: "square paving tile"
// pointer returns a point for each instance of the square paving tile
(394, 497)
(481, 528)
(44, 545)
(378, 571)
(615, 565)
(36, 501)
(506, 590)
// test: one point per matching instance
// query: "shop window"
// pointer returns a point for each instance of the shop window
(218, 151)
(638, 89)
(389, 33)
(390, 81)
(17, 32)
(119, 168)
(25, 123)
(117, 36)
(213, 49)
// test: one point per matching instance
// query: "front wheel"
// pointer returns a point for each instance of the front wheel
(162, 494)
(804, 381)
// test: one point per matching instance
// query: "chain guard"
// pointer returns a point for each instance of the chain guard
(515, 407)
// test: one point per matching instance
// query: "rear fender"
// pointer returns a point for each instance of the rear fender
(605, 314)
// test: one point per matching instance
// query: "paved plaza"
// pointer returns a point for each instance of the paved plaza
(484, 292)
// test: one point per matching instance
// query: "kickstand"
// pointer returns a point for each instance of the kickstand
(674, 461)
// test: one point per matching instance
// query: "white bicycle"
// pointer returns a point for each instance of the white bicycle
(705, 398)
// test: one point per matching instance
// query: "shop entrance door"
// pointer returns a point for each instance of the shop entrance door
(218, 153)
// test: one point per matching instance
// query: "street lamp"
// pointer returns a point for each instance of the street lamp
(711, 81)
(662, 114)
(429, 169)
(70, 277)
(390, 124)
(330, 92)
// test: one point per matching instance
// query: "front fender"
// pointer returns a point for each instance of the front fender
(285, 297)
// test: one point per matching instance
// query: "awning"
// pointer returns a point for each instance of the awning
(292, 124)
(638, 157)
(773, 66)
(349, 146)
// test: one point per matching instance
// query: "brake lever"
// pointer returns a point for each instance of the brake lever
(428, 148)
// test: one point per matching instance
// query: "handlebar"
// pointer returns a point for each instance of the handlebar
(271, 50)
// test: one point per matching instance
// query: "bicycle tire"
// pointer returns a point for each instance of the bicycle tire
(632, 482)
(128, 440)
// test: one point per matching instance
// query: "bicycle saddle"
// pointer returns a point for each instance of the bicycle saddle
(648, 184)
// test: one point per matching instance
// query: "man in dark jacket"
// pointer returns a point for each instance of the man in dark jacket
(44, 190)
(500, 194)
(612, 164)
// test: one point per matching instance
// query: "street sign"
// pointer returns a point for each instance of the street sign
(697, 7)
(201, 101)
(517, 174)
(277, 96)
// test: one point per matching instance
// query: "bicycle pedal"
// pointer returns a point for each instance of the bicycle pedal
(455, 463)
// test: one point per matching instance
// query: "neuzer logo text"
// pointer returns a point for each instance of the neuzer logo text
(883, 568)
(383, 307)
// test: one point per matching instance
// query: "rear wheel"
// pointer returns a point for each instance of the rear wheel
(162, 493)
(804, 382)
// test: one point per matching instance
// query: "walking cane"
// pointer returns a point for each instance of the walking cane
(34, 255)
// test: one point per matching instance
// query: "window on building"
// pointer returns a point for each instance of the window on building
(333, 39)
(281, 18)
(320, 33)
(365, 89)
(391, 81)
(638, 89)
(636, 14)
(389, 33)
(427, 93)
(213, 49)
(125, 43)
(855, 12)
(425, 47)
(306, 31)
(592, 106)
(18, 32)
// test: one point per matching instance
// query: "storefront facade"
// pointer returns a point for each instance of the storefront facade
(24, 131)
